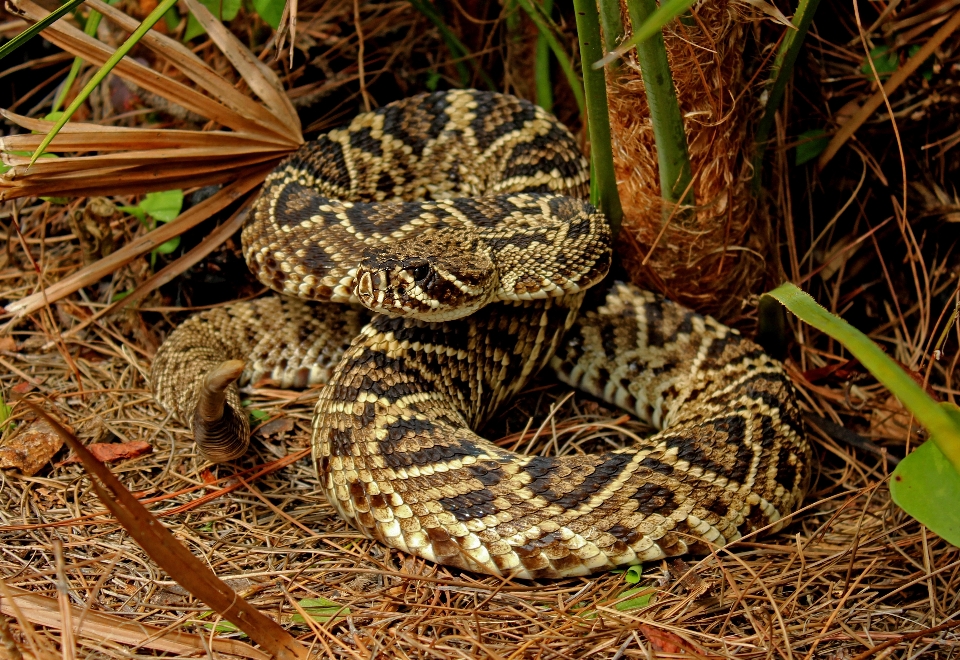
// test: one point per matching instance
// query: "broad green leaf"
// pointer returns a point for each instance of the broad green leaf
(163, 206)
(225, 10)
(811, 144)
(271, 11)
(642, 598)
(258, 415)
(885, 59)
(926, 486)
(320, 610)
(99, 76)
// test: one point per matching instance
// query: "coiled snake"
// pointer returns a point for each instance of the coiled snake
(468, 202)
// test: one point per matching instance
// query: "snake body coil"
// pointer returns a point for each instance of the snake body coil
(466, 202)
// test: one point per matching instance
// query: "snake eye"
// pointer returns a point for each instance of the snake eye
(420, 272)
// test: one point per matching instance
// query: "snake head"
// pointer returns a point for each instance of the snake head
(434, 277)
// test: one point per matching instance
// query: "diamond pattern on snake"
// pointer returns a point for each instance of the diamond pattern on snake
(434, 256)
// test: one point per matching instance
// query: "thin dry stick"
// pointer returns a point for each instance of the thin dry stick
(899, 76)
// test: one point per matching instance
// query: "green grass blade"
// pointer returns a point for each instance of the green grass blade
(604, 189)
(98, 77)
(668, 132)
(90, 29)
(457, 48)
(566, 65)
(665, 13)
(943, 427)
(37, 28)
(541, 66)
(779, 76)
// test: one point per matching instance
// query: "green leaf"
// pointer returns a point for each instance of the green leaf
(633, 574)
(225, 10)
(258, 415)
(135, 211)
(120, 296)
(163, 206)
(811, 144)
(271, 11)
(321, 610)
(642, 599)
(926, 486)
(433, 79)
(926, 69)
(98, 77)
(885, 59)
(168, 246)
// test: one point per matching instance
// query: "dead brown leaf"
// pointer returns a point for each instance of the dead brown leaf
(8, 344)
(110, 452)
(30, 448)
(276, 427)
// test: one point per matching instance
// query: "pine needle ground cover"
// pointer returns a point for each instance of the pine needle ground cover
(872, 235)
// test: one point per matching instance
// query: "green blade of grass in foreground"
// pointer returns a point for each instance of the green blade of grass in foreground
(98, 77)
(37, 28)
(926, 484)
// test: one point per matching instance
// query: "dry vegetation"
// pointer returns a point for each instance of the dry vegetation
(873, 237)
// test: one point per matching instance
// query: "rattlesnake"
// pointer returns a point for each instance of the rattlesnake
(408, 208)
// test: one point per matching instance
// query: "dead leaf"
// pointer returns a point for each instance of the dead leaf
(8, 344)
(110, 452)
(276, 427)
(891, 420)
(668, 642)
(30, 448)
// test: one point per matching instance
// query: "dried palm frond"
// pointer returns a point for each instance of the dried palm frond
(108, 160)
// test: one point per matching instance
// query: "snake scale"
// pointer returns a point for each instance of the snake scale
(457, 217)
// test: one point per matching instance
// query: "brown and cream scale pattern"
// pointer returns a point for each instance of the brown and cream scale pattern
(399, 461)
(392, 433)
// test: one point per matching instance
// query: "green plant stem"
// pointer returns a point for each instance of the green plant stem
(604, 181)
(459, 51)
(612, 24)
(90, 29)
(541, 66)
(779, 76)
(943, 427)
(671, 140)
(98, 77)
(547, 33)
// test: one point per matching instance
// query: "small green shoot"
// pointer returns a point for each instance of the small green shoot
(257, 416)
(320, 610)
(633, 574)
(810, 145)
(162, 207)
(225, 10)
(885, 59)
(930, 474)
